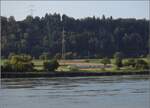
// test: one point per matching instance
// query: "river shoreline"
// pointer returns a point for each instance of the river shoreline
(68, 74)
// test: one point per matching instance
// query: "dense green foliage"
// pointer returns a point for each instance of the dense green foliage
(118, 59)
(136, 63)
(73, 68)
(18, 63)
(130, 62)
(84, 38)
(105, 61)
(51, 65)
(141, 64)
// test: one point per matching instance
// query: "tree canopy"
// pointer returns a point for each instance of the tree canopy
(86, 37)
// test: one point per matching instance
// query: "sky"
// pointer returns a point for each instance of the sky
(77, 9)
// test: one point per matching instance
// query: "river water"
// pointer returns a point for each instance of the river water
(76, 92)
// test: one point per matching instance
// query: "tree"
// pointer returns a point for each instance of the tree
(130, 62)
(18, 63)
(141, 64)
(29, 19)
(11, 19)
(86, 36)
(135, 41)
(105, 61)
(118, 56)
(103, 17)
(51, 65)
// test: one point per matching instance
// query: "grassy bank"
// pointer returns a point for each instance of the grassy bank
(69, 74)
(88, 65)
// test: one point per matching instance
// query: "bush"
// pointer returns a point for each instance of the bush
(51, 65)
(73, 68)
(87, 60)
(19, 67)
(118, 62)
(141, 64)
(6, 67)
(130, 62)
(105, 61)
(18, 63)
(22, 67)
(118, 59)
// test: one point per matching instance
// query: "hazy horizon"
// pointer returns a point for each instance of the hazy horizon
(76, 9)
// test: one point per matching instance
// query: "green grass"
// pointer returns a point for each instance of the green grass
(113, 60)
(3, 61)
(38, 62)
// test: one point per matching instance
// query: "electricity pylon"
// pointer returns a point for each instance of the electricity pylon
(63, 44)
(31, 10)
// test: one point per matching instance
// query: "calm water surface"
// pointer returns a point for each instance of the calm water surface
(76, 92)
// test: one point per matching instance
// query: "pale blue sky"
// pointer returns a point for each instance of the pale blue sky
(77, 9)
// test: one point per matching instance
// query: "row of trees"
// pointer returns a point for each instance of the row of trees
(88, 37)
(131, 63)
(23, 63)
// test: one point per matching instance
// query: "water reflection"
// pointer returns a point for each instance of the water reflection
(76, 92)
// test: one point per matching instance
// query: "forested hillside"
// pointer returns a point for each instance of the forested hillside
(87, 37)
